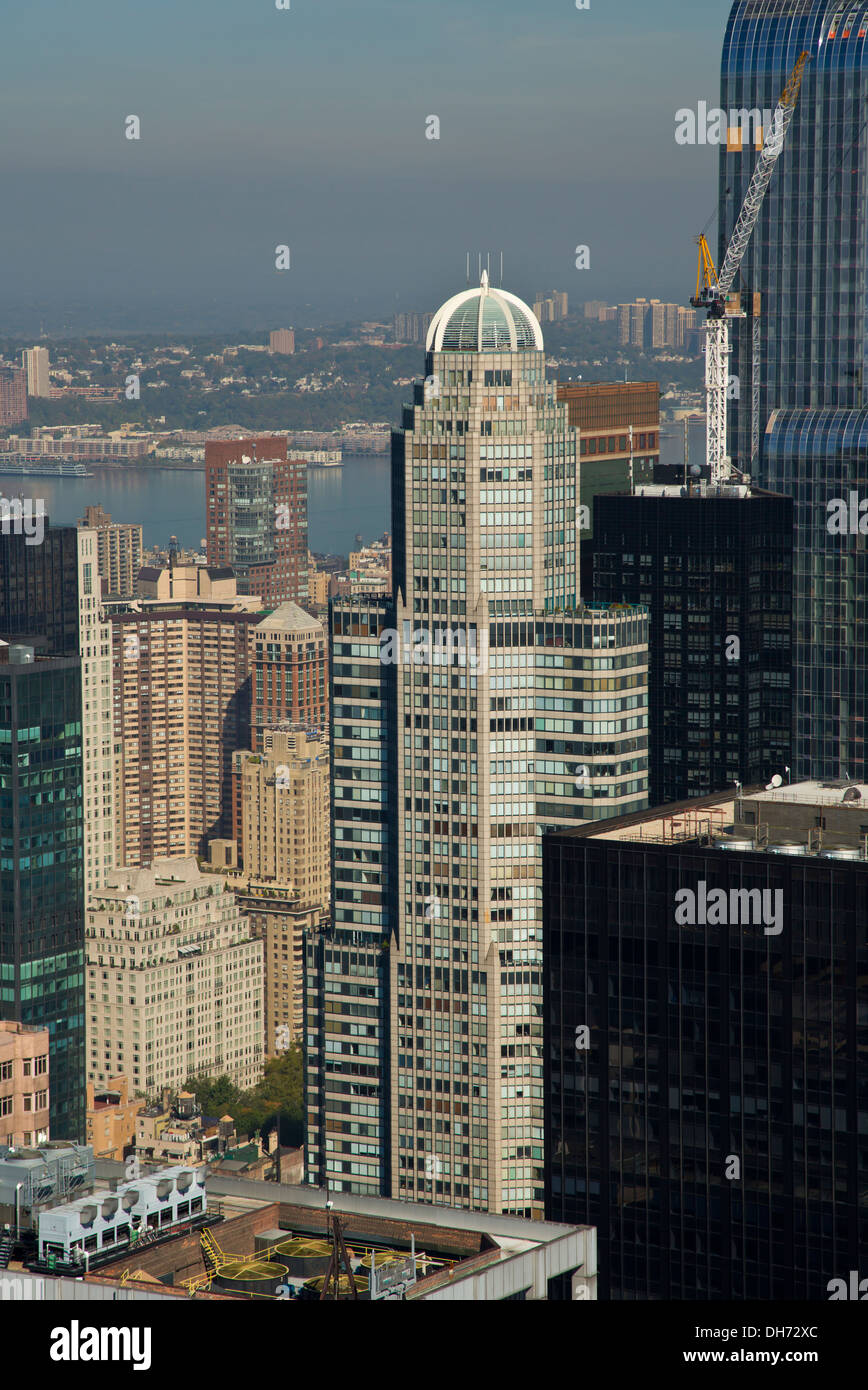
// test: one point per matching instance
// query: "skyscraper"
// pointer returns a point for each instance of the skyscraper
(715, 567)
(256, 516)
(41, 865)
(480, 704)
(808, 361)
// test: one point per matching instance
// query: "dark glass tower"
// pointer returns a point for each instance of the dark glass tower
(716, 571)
(41, 867)
(808, 261)
(712, 1122)
(41, 809)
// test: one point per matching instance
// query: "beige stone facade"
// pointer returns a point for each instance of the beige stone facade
(174, 980)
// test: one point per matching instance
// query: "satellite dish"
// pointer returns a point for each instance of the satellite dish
(852, 794)
(777, 781)
(695, 470)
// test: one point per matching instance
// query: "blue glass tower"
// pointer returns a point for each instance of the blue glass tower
(807, 263)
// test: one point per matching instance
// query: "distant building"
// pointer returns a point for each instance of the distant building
(256, 516)
(119, 551)
(654, 325)
(111, 1117)
(175, 980)
(551, 308)
(282, 341)
(13, 395)
(24, 1084)
(35, 362)
(411, 328)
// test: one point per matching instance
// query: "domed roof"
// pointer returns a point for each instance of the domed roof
(484, 320)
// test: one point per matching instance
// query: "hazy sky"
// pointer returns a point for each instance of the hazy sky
(307, 126)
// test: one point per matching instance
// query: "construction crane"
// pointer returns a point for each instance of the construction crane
(712, 289)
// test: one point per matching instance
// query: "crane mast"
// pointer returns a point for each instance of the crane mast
(712, 289)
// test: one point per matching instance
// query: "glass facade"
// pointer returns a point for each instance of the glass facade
(41, 871)
(712, 1122)
(807, 261)
(717, 574)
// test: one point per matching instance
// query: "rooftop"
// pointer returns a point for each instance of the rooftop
(484, 320)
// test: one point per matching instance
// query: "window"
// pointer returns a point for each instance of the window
(5, 1071)
(5, 1105)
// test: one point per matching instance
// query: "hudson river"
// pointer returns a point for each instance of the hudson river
(342, 502)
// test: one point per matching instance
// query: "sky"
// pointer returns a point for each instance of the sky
(306, 127)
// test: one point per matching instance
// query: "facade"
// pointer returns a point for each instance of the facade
(13, 395)
(468, 712)
(282, 796)
(806, 260)
(283, 803)
(181, 680)
(256, 516)
(119, 552)
(282, 341)
(619, 429)
(707, 1101)
(111, 1117)
(288, 670)
(99, 752)
(24, 1084)
(716, 570)
(35, 363)
(39, 599)
(41, 866)
(174, 980)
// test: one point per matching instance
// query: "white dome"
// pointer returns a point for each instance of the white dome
(484, 320)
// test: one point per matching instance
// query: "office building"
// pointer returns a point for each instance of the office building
(39, 599)
(24, 1084)
(119, 552)
(289, 671)
(13, 395)
(256, 516)
(715, 568)
(174, 980)
(807, 435)
(41, 864)
(707, 1100)
(478, 704)
(282, 341)
(35, 363)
